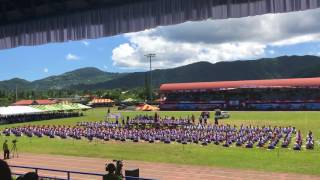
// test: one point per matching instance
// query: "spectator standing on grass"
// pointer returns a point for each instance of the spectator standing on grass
(193, 119)
(5, 173)
(216, 122)
(117, 119)
(6, 152)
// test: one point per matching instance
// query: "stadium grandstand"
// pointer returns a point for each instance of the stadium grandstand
(277, 94)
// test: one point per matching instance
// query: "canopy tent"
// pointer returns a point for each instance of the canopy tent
(46, 108)
(64, 107)
(73, 106)
(101, 101)
(18, 110)
(61, 107)
(30, 22)
(80, 106)
(147, 107)
(129, 100)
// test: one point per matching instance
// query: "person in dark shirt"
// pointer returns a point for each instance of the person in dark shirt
(193, 119)
(128, 118)
(117, 120)
(5, 173)
(111, 168)
(30, 176)
(156, 117)
(6, 152)
(216, 122)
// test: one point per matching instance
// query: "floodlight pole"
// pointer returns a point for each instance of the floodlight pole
(150, 56)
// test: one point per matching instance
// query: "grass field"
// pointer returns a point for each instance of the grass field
(279, 160)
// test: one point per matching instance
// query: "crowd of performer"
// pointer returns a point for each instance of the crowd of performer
(36, 117)
(143, 122)
(169, 130)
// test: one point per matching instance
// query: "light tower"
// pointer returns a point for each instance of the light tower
(150, 56)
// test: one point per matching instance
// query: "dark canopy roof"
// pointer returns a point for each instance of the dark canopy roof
(33, 22)
(271, 83)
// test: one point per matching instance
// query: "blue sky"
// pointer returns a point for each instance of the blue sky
(211, 40)
(40, 61)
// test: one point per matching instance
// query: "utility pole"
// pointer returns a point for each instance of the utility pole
(150, 56)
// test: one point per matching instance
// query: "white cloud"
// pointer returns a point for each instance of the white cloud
(105, 67)
(298, 40)
(217, 40)
(86, 43)
(72, 57)
(45, 70)
(172, 54)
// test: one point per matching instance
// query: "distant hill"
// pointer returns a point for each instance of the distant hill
(93, 78)
(12, 83)
(272, 68)
(85, 76)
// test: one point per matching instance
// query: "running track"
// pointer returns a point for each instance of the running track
(147, 170)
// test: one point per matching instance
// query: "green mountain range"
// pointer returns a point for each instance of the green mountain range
(85, 76)
(93, 78)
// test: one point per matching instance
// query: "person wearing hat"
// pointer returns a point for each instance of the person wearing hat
(6, 151)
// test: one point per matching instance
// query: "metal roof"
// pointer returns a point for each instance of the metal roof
(276, 83)
(33, 22)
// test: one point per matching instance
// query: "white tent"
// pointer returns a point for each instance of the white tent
(129, 100)
(18, 110)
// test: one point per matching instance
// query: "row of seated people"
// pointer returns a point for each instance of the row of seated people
(246, 136)
(36, 117)
(144, 121)
(299, 141)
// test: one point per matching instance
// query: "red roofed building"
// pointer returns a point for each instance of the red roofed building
(34, 102)
(272, 94)
(271, 83)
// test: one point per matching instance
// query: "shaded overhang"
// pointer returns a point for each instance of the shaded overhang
(247, 84)
(34, 22)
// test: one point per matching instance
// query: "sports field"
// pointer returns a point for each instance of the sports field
(278, 160)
